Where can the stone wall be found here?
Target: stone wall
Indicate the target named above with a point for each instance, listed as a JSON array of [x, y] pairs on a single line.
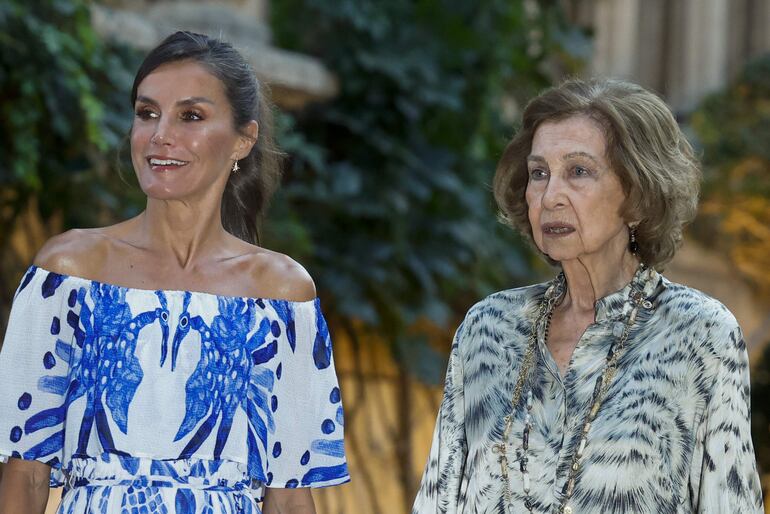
[[294, 79]]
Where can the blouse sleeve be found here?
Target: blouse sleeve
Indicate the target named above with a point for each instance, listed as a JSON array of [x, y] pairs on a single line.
[[727, 481], [440, 488], [306, 449], [34, 367]]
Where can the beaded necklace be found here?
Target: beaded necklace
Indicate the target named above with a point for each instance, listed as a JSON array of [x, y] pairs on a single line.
[[603, 381]]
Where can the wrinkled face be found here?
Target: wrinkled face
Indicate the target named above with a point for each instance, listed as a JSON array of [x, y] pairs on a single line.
[[574, 197], [183, 142]]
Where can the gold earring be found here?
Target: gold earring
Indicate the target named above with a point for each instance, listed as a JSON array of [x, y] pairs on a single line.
[[236, 167]]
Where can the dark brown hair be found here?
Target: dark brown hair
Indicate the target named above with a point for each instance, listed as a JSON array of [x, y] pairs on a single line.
[[248, 192]]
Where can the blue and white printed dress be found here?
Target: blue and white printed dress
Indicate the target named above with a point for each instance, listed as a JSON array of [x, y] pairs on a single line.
[[168, 401]]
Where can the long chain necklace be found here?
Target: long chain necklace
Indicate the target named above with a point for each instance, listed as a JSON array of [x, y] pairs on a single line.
[[603, 381]]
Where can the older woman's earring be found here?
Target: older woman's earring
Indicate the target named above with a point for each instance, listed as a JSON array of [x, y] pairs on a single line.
[[236, 167], [633, 246]]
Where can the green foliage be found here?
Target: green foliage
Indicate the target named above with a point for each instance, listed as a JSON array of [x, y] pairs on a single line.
[[387, 197], [387, 190], [64, 109], [734, 125]]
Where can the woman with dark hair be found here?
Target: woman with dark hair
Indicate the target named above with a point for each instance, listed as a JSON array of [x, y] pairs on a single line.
[[167, 364], [608, 389]]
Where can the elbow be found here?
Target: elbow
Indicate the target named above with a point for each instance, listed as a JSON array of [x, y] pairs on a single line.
[[24, 487], [289, 501]]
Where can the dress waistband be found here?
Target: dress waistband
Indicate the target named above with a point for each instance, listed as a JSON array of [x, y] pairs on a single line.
[[118, 470]]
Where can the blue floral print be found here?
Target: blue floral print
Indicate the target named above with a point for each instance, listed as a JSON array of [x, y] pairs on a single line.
[[168, 401]]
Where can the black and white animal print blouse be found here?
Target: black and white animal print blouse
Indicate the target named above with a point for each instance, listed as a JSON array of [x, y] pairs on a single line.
[[672, 436]]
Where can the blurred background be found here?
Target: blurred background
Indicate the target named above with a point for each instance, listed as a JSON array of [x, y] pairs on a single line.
[[393, 115]]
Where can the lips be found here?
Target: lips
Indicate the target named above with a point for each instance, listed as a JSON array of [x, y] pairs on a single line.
[[557, 229], [163, 163]]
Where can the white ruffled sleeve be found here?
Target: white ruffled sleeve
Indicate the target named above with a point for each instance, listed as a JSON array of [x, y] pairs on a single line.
[[34, 368], [306, 449]]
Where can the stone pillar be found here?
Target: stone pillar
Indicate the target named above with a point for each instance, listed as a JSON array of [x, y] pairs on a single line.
[[682, 49], [712, 44], [675, 56], [738, 35], [701, 66], [617, 24], [748, 33], [760, 27], [652, 46]]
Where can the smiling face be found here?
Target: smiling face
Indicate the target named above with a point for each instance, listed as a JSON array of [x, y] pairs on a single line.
[[573, 195], [183, 142]]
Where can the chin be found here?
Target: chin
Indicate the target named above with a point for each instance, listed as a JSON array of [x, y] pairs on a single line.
[[165, 187], [164, 191], [559, 254], [560, 257]]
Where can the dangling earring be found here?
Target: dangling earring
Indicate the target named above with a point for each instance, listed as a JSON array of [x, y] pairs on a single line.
[[236, 167], [633, 246]]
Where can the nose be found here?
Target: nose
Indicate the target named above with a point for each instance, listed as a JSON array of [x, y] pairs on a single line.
[[554, 195], [163, 134]]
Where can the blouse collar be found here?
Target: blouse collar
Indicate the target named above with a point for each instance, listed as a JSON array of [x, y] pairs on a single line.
[[646, 282]]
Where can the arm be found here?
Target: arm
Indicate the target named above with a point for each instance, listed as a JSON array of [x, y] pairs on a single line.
[[288, 501], [439, 491], [727, 481], [24, 487]]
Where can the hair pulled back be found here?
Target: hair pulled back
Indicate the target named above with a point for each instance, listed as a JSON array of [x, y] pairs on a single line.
[[248, 191]]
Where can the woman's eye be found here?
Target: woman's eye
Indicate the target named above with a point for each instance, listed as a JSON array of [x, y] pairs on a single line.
[[580, 171], [191, 116], [145, 114], [538, 174]]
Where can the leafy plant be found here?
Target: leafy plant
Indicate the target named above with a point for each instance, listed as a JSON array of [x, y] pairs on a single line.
[[64, 106], [387, 194], [733, 128], [387, 197], [63, 101]]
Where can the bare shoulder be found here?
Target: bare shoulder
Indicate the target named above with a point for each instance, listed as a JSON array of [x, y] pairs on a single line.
[[280, 276], [74, 252]]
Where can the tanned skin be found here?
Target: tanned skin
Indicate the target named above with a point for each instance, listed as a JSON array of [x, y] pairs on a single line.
[[178, 242]]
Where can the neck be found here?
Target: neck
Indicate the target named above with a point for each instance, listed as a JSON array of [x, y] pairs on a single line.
[[589, 280], [182, 232]]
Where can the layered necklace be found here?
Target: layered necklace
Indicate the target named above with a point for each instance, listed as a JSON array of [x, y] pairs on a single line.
[[554, 294]]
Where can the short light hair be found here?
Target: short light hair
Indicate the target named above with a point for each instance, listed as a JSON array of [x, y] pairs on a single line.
[[646, 148]]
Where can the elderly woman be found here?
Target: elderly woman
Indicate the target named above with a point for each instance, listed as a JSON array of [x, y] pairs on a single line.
[[608, 389], [168, 364]]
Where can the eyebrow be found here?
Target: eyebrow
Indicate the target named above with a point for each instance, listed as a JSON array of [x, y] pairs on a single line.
[[539, 159], [581, 154], [187, 101]]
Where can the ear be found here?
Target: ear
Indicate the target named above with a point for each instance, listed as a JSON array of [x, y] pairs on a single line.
[[246, 140]]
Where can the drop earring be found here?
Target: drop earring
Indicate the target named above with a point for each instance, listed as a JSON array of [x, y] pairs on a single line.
[[633, 246], [236, 167]]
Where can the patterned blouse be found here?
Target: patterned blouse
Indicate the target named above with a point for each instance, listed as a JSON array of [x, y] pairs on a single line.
[[168, 401], [672, 435]]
